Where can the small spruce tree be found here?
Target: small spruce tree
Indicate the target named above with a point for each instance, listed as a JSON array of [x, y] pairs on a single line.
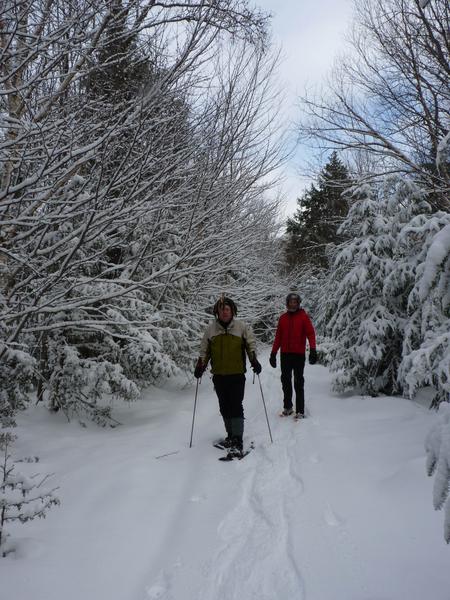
[[22, 498]]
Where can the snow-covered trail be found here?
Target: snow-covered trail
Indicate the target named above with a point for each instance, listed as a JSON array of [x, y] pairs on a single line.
[[337, 508]]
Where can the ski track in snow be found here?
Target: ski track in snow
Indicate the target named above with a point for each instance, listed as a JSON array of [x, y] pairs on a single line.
[[256, 534], [264, 555]]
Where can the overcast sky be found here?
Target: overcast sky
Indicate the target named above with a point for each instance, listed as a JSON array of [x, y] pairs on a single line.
[[311, 35]]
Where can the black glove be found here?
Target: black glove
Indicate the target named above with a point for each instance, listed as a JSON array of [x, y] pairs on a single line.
[[273, 360], [256, 366], [312, 356], [199, 369]]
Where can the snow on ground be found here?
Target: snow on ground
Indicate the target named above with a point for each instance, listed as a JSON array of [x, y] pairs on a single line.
[[337, 508]]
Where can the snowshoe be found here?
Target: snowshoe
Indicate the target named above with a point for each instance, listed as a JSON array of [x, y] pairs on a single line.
[[237, 453], [223, 444], [286, 412]]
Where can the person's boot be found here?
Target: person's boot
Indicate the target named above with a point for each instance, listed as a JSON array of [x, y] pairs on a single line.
[[236, 450], [226, 442]]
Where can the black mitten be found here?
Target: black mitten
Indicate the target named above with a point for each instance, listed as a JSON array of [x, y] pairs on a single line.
[[312, 356], [256, 365], [199, 369]]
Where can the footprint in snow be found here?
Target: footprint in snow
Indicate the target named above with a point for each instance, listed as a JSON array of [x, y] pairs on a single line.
[[160, 590], [315, 458], [155, 592], [200, 498], [331, 518]]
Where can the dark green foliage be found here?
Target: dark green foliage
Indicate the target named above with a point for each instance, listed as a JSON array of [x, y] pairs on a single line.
[[120, 71], [320, 211]]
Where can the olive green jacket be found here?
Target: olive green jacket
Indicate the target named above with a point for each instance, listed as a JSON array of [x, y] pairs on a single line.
[[226, 347]]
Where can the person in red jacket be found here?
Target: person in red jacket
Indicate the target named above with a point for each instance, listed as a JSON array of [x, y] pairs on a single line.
[[294, 328]]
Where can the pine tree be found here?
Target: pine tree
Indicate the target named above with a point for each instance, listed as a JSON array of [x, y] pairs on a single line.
[[16, 374], [22, 497], [321, 209], [425, 244], [385, 303], [367, 292], [119, 72], [437, 445]]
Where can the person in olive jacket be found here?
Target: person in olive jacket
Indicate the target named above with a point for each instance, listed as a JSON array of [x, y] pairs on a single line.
[[294, 328], [225, 345]]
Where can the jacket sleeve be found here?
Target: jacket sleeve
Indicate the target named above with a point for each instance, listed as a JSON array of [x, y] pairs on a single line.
[[204, 348], [310, 332], [250, 341], [277, 341]]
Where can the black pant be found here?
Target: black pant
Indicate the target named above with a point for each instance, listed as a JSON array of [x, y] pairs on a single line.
[[230, 392], [293, 363]]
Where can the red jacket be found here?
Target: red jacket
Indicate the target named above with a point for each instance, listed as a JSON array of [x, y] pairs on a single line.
[[292, 331]]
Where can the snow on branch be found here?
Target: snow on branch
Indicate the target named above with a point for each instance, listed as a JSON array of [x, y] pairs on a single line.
[[132, 189], [437, 254], [437, 447], [22, 498]]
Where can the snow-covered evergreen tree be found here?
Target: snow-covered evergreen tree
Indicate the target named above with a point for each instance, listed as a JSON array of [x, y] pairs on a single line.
[[426, 347], [22, 498], [362, 327], [387, 298], [364, 311], [16, 377], [437, 446]]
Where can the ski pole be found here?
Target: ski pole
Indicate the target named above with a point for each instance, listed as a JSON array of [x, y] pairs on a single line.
[[265, 409], [193, 414]]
